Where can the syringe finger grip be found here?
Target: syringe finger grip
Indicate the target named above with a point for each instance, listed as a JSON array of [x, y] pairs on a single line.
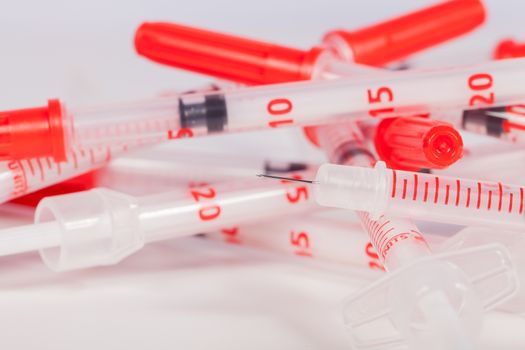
[[355, 188]]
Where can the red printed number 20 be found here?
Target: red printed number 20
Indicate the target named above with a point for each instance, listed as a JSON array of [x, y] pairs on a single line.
[[204, 193]]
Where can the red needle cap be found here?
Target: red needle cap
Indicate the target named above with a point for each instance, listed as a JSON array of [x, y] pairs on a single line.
[[509, 49], [223, 56], [33, 132], [415, 143], [397, 38]]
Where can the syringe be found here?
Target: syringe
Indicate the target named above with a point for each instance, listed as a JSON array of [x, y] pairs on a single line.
[[420, 196], [101, 226], [299, 103]]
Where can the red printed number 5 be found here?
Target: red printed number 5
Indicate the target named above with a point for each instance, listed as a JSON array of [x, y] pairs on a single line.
[[301, 242]]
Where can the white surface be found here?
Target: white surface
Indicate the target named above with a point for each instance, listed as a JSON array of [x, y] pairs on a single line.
[[189, 293]]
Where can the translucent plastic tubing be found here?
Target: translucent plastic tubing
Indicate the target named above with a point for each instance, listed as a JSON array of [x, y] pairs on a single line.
[[101, 226], [420, 196], [259, 107]]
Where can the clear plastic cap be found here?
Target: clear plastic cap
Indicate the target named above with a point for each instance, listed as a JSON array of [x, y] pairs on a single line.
[[91, 228]]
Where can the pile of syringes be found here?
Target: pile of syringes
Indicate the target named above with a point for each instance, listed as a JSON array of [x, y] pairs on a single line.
[[395, 156]]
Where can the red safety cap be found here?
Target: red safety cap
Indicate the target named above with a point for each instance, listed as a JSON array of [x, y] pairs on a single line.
[[395, 39], [33, 132], [223, 56], [80, 183], [508, 49], [311, 135], [414, 143]]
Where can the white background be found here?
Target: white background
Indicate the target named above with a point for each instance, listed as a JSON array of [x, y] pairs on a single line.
[[188, 294]]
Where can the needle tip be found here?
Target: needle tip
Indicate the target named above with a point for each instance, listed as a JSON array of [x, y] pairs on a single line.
[[285, 178]]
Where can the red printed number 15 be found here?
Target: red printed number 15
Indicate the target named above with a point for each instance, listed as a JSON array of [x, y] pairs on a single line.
[[380, 95]]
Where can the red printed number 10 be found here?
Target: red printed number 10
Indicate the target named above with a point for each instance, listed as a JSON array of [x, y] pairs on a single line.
[[278, 108]]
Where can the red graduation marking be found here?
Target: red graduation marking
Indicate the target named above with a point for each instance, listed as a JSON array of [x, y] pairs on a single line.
[[394, 180], [414, 195], [479, 196], [458, 188], [521, 200], [500, 189], [436, 193]]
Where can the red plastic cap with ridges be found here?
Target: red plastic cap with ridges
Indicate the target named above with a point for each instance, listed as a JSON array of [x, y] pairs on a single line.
[[400, 37], [508, 49], [223, 56], [415, 143], [33, 132]]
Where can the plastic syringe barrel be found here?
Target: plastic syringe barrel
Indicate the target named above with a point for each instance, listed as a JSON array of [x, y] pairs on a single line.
[[101, 226], [421, 196], [333, 240], [299, 103]]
